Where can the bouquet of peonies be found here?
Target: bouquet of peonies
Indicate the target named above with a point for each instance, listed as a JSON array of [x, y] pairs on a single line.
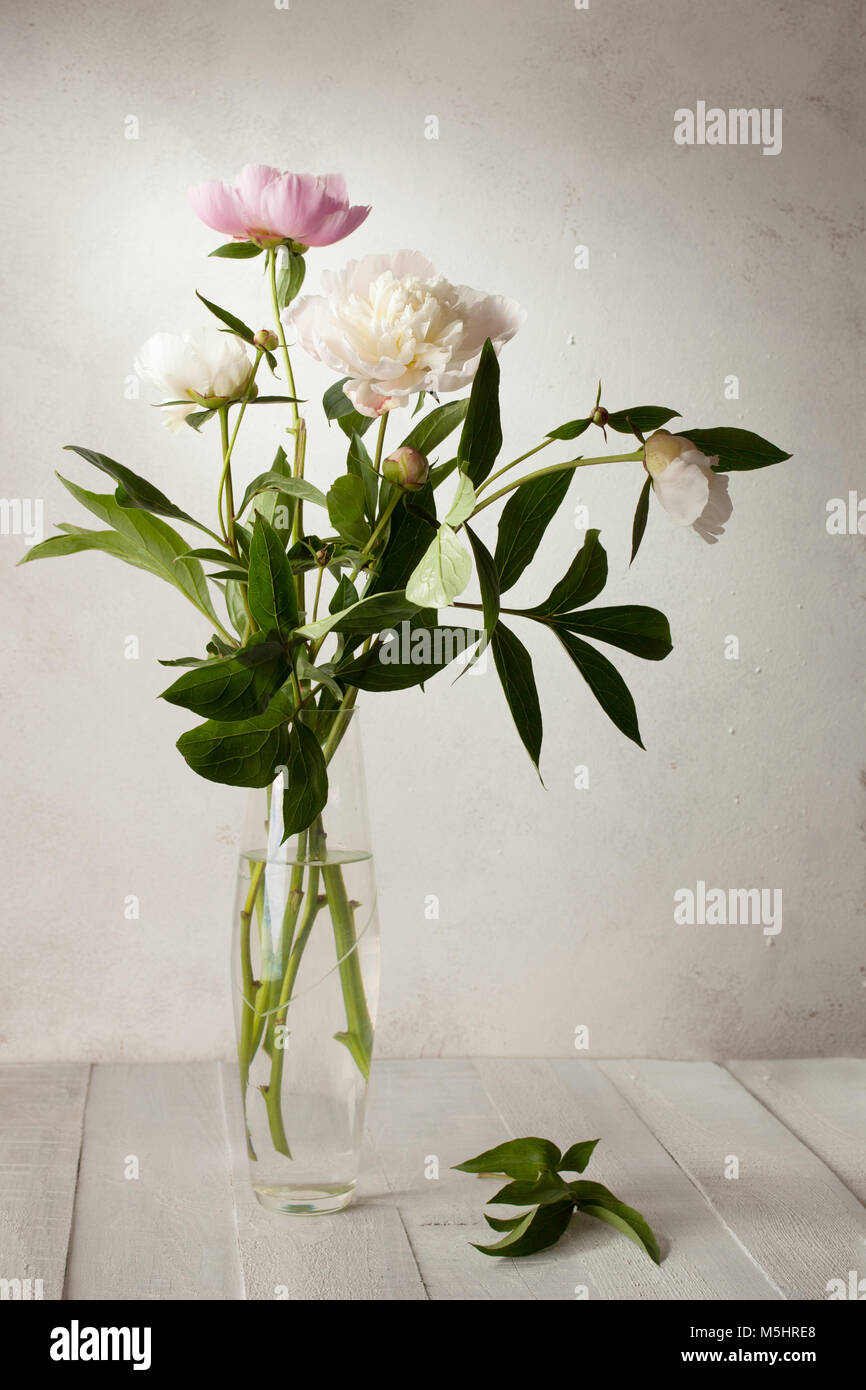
[[311, 596]]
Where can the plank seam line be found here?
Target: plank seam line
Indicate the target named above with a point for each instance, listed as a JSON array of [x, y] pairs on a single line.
[[71, 1235], [412, 1252], [696, 1184], [794, 1135]]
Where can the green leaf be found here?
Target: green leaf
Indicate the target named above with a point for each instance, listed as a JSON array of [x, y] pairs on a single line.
[[488, 581], [344, 596], [514, 666], [235, 607], [463, 504], [640, 518], [236, 325], [537, 1231], [430, 432], [430, 650], [442, 573], [271, 594], [290, 487], [625, 1219], [571, 430], [245, 753], [408, 539], [605, 682], [337, 406], [346, 509], [144, 540], [641, 417], [635, 628], [360, 465], [524, 520], [233, 687], [324, 675], [305, 780], [238, 250], [197, 418], [137, 492], [547, 1188], [369, 615], [576, 1158], [291, 278], [516, 1158], [584, 580], [503, 1223], [481, 438], [738, 450]]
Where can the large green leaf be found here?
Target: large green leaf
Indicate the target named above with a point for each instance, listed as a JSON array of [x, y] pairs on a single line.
[[243, 753], [514, 667], [305, 780], [442, 573], [641, 513], [481, 437], [233, 687], [135, 492], [346, 502], [737, 450], [635, 628], [145, 541], [536, 1231], [546, 1188], [271, 594], [584, 580], [430, 432], [291, 487], [640, 417], [575, 1158], [360, 465], [516, 1158], [337, 406], [371, 614], [430, 650], [488, 580], [605, 682], [408, 539], [615, 1213], [524, 520]]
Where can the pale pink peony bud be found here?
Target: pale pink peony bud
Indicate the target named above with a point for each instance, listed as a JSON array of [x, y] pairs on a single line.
[[266, 340], [406, 468]]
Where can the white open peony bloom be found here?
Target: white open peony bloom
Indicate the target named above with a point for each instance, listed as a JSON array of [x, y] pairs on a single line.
[[204, 365], [395, 327], [685, 484]]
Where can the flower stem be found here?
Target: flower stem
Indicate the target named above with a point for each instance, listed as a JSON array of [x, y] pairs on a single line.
[[380, 440], [557, 468], [513, 464]]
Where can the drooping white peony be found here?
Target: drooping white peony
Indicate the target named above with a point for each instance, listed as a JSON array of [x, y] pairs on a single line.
[[395, 327], [204, 365], [685, 484]]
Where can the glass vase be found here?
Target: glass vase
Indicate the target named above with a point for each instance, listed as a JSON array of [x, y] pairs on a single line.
[[306, 979]]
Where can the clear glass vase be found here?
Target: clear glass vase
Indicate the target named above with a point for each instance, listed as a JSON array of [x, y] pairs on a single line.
[[305, 962]]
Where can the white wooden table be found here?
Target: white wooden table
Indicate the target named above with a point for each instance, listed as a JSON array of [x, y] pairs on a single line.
[[73, 1215]]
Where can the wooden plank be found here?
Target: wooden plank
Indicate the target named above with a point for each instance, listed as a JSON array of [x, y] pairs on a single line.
[[570, 1100], [169, 1232], [360, 1253], [794, 1217], [41, 1117], [425, 1115], [823, 1101]]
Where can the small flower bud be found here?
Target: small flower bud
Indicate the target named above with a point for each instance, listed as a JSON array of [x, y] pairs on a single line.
[[406, 468], [266, 340], [599, 416], [323, 556]]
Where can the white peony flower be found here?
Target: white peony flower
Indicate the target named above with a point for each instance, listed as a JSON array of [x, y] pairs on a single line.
[[685, 484], [204, 365], [395, 327]]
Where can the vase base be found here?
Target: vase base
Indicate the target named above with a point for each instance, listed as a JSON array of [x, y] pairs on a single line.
[[304, 1201]]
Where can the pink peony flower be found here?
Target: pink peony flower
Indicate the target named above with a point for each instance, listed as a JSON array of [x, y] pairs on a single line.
[[267, 206]]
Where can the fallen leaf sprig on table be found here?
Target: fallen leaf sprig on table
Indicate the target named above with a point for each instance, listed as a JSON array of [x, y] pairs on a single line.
[[535, 1167]]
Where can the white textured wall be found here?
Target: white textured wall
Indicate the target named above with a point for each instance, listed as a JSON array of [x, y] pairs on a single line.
[[555, 128]]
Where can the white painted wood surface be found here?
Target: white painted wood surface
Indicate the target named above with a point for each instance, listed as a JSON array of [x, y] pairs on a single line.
[[188, 1227], [41, 1114], [823, 1102], [798, 1222]]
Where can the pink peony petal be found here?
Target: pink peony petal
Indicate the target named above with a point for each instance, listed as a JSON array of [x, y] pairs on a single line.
[[218, 207], [334, 226]]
